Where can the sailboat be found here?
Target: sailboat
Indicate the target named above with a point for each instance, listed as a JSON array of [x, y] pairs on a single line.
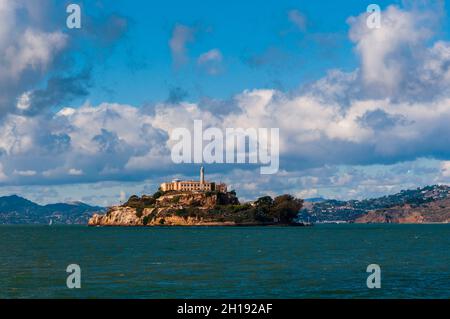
[[50, 222]]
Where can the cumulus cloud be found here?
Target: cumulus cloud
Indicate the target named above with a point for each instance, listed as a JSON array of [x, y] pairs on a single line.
[[33, 50], [28, 50], [395, 61], [392, 110], [37, 64], [84, 144]]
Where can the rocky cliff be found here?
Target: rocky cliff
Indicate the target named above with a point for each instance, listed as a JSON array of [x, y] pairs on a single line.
[[432, 212], [127, 216]]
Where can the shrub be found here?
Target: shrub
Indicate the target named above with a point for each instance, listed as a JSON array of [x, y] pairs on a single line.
[[181, 212], [133, 201], [148, 201], [175, 199], [139, 212], [264, 201], [158, 194]]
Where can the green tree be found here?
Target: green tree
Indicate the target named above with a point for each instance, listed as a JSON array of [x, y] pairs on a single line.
[[264, 201], [286, 208], [158, 193]]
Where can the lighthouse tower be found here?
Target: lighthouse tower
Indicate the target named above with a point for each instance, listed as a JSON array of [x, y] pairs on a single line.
[[202, 175]]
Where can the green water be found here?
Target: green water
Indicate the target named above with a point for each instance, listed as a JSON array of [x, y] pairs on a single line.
[[324, 261]]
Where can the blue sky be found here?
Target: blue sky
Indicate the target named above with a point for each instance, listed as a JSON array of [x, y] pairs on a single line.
[[243, 31], [86, 114]]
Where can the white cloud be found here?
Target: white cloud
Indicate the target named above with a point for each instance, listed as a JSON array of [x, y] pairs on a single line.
[[445, 168], [90, 143], [211, 61], [67, 111], [28, 49], [181, 36], [33, 38], [211, 55], [23, 102], [25, 173], [307, 193], [75, 172], [34, 50], [389, 54], [298, 19]]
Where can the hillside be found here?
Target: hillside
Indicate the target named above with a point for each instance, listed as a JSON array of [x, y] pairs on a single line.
[[178, 208], [431, 212], [18, 210], [427, 204]]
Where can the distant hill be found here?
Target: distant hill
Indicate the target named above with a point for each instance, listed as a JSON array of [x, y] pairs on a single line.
[[432, 212], [315, 200], [18, 210], [430, 204]]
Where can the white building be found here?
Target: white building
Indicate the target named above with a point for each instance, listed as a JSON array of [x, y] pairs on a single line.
[[200, 185]]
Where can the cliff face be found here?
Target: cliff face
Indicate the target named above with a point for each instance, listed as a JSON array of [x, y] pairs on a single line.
[[127, 216], [433, 212]]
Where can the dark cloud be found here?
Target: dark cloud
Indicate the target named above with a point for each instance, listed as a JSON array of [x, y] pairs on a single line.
[[55, 143], [176, 95], [379, 120], [59, 91], [108, 141], [106, 29]]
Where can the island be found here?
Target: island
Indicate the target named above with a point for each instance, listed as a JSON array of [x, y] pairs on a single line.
[[200, 203]]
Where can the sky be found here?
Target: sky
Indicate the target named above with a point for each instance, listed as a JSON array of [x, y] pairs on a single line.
[[86, 114]]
